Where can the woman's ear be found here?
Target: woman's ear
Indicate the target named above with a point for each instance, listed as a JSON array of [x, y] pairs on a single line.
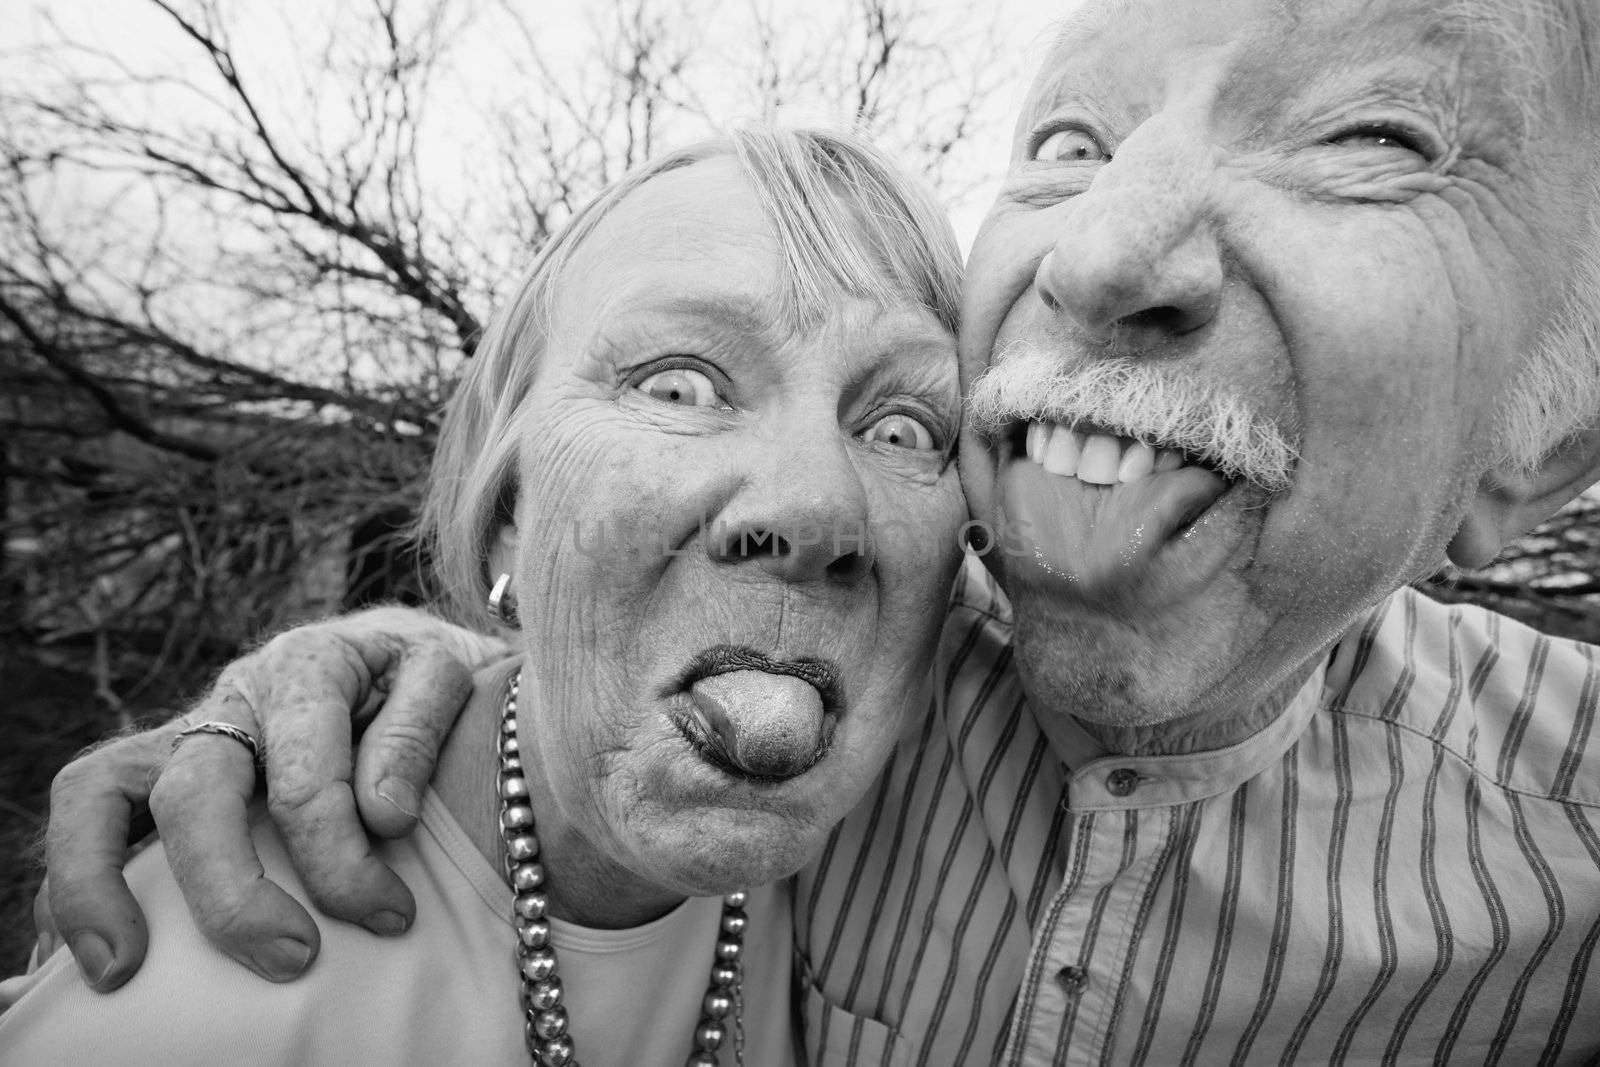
[[1509, 504], [503, 550]]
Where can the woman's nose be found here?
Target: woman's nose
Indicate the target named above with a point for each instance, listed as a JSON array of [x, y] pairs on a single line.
[[1137, 257], [801, 518], [798, 554]]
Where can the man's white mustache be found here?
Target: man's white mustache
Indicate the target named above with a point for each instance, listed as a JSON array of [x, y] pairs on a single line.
[[1136, 399]]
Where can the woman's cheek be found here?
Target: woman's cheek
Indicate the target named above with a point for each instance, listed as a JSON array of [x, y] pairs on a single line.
[[920, 538]]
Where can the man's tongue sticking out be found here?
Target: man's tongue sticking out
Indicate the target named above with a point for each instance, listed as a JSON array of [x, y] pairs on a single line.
[[1097, 512]]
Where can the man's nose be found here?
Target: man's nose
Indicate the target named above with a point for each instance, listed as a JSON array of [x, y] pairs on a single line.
[[1137, 256], [801, 518]]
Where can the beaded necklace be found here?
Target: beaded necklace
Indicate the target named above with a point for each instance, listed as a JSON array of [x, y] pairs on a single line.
[[546, 1026]]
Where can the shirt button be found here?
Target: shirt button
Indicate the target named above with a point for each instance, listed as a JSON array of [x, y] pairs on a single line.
[[1072, 980], [1122, 781]]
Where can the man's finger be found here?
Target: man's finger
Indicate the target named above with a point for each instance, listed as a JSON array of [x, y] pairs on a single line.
[[201, 804], [309, 770], [92, 804], [399, 750]]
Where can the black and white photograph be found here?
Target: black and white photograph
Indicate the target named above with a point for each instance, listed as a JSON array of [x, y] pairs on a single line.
[[854, 533]]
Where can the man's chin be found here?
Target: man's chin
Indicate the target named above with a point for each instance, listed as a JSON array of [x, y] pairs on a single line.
[[1111, 679], [1115, 668], [1126, 598]]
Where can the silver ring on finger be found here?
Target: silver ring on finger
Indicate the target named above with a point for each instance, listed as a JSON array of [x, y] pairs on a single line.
[[223, 729]]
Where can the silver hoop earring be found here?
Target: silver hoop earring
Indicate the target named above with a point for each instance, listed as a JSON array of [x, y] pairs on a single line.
[[503, 602]]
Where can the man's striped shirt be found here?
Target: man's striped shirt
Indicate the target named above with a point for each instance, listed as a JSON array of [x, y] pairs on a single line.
[[1404, 867]]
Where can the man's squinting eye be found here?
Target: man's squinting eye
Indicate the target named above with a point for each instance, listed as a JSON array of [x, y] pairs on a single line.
[[1070, 146], [901, 431], [681, 385], [1382, 136]]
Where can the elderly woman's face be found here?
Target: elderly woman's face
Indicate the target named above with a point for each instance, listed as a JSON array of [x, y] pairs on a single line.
[[734, 540]]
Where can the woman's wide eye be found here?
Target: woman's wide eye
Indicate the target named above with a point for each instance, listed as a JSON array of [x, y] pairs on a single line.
[[680, 385], [1070, 146], [901, 431]]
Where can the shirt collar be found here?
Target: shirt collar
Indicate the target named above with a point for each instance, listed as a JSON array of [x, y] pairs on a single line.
[[1114, 783]]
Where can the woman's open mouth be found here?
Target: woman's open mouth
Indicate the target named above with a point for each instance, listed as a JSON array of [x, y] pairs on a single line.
[[758, 718]]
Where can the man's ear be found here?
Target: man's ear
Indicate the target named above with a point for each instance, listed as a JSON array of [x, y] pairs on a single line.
[[1509, 504], [503, 551]]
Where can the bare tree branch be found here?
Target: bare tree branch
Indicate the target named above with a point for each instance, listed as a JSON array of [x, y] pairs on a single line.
[[234, 292]]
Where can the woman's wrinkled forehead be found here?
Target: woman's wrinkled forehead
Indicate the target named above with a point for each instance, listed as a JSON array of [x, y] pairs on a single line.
[[838, 229], [700, 245]]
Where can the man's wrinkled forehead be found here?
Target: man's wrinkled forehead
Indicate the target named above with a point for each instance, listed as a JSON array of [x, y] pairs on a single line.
[[1520, 57]]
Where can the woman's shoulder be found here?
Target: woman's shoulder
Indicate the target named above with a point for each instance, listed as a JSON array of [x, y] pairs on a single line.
[[365, 998]]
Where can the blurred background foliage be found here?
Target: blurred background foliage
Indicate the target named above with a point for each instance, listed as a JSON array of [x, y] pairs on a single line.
[[244, 253]]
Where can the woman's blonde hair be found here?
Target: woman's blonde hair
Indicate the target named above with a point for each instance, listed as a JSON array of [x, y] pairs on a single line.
[[848, 220]]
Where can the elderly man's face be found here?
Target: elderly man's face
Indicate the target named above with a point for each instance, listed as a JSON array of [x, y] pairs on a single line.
[[1302, 246], [707, 602]]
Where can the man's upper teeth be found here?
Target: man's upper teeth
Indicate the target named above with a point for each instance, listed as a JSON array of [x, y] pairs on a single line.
[[1138, 460], [1168, 459], [1096, 458], [1102, 455], [1062, 451]]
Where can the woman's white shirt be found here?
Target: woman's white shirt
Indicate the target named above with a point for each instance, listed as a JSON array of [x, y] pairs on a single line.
[[445, 992]]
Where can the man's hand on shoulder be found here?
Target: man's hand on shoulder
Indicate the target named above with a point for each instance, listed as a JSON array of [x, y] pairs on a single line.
[[402, 674]]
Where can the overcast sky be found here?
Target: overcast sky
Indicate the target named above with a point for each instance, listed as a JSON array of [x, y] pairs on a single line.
[[140, 36]]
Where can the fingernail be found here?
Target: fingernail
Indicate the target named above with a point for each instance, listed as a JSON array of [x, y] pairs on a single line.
[[282, 958], [385, 922], [400, 794], [94, 956]]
